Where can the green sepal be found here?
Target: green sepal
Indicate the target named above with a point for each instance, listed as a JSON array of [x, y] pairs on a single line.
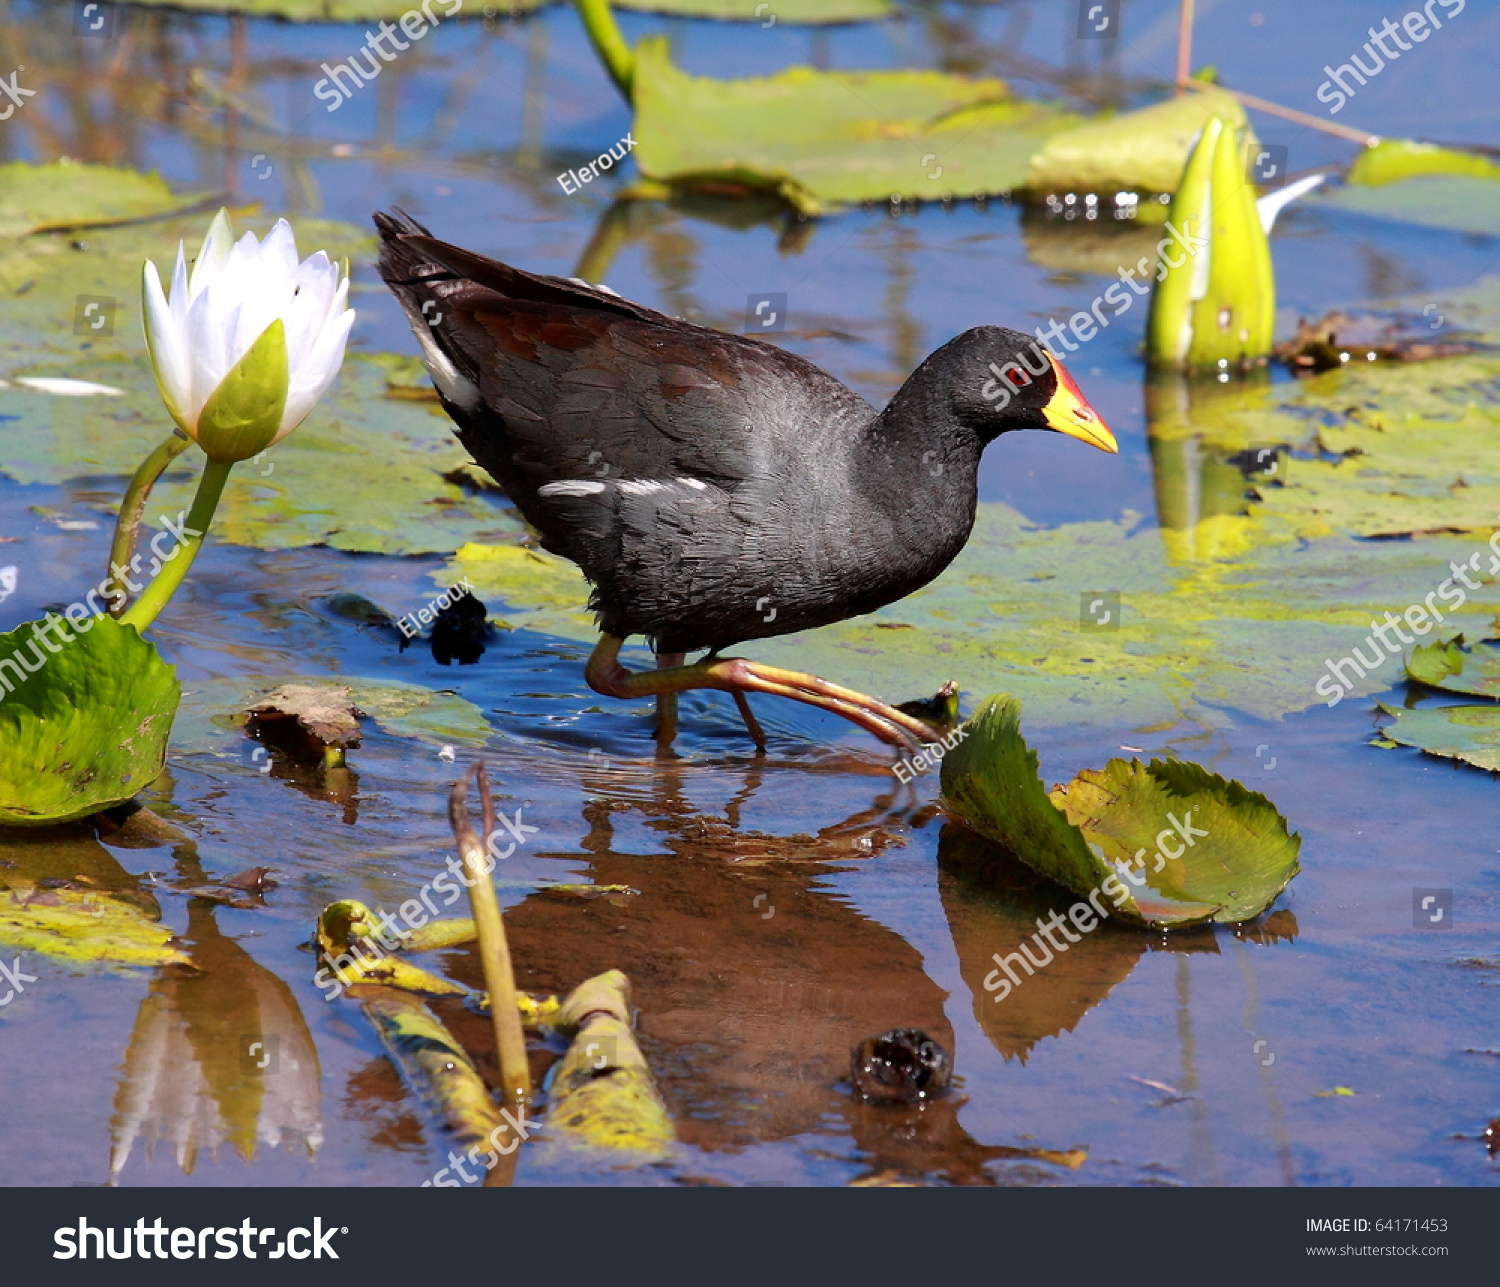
[[242, 415]]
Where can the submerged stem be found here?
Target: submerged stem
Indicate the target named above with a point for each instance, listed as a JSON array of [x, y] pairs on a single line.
[[133, 505], [156, 595]]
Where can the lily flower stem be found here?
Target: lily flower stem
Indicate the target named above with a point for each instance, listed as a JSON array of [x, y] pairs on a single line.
[[133, 505], [155, 596]]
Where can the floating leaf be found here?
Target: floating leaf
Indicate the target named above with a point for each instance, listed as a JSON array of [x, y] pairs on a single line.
[[1457, 668], [1143, 151], [1467, 733], [1394, 159], [824, 138], [71, 194], [82, 927], [211, 708], [89, 729], [602, 1092], [1168, 842], [1457, 202]]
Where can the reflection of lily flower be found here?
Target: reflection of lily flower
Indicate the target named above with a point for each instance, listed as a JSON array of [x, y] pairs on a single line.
[[249, 340], [221, 1056]]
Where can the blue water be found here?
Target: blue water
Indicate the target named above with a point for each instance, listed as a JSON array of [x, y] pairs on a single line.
[[747, 1018]]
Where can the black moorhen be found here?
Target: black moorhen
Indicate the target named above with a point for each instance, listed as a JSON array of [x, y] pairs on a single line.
[[714, 488]]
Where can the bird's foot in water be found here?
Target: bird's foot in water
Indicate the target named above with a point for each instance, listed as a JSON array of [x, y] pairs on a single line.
[[740, 677]]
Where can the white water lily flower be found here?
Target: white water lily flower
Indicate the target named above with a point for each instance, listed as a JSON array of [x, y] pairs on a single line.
[[249, 340]]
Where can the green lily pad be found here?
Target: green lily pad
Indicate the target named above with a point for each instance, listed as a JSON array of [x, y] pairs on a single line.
[[71, 194], [1168, 843], [1467, 733], [1457, 202], [825, 138], [213, 708], [89, 729], [1143, 151], [1457, 668]]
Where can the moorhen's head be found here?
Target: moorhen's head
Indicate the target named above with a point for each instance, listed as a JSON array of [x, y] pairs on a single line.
[[1007, 380]]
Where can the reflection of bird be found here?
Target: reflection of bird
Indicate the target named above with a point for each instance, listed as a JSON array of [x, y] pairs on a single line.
[[713, 488]]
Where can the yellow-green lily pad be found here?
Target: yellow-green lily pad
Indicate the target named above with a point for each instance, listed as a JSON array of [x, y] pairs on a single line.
[[1162, 844], [83, 927], [825, 138], [72, 194], [1457, 667], [1143, 151]]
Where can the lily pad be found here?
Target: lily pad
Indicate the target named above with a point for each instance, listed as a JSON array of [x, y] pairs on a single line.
[[1467, 733], [825, 138], [1457, 202], [83, 927], [1143, 151], [212, 708], [71, 194], [89, 729], [1168, 843], [1391, 160], [1457, 668]]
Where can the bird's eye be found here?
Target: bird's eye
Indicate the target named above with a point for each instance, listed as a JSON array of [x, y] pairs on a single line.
[[1020, 379]]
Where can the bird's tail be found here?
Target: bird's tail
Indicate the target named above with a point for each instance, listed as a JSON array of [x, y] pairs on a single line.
[[422, 284]]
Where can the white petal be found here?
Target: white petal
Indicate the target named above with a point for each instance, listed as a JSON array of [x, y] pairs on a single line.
[[279, 250], [310, 382], [168, 350], [1270, 205], [216, 244]]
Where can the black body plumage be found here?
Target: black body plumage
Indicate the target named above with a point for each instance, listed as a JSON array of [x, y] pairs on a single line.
[[713, 488]]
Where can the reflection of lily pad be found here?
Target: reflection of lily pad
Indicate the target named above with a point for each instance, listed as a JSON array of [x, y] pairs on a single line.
[[992, 905], [1169, 843], [210, 708], [87, 730], [823, 138], [1456, 668], [1467, 733]]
